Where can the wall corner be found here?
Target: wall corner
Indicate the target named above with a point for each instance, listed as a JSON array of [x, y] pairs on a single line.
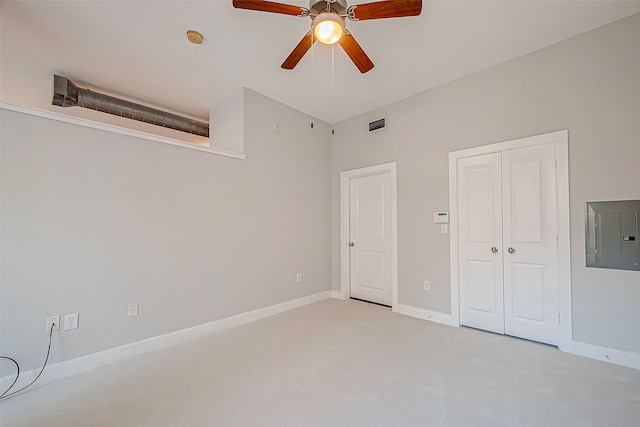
[[227, 123]]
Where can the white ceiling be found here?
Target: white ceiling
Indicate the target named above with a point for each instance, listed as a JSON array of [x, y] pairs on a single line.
[[139, 49]]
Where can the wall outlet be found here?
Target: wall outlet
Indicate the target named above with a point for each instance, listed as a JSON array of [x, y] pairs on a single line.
[[71, 321], [53, 320], [427, 285], [132, 309], [299, 277]]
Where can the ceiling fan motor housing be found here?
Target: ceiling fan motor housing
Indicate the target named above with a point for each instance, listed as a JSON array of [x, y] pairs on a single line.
[[319, 6]]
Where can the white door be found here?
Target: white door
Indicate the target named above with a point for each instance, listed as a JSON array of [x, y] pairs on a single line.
[[370, 238], [507, 243], [480, 234], [530, 245]]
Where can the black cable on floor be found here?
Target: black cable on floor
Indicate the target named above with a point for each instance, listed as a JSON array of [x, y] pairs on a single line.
[[5, 395], [17, 375]]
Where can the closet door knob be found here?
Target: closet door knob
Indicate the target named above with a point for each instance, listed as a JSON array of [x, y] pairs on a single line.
[[494, 249], [511, 250], [351, 244]]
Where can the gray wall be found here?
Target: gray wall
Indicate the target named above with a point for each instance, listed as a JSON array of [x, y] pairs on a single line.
[[92, 221], [589, 85]]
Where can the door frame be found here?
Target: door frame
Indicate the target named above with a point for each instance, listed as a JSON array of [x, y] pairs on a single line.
[[345, 179], [560, 139]]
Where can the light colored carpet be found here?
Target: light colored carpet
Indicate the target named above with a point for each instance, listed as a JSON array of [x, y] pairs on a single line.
[[341, 363]]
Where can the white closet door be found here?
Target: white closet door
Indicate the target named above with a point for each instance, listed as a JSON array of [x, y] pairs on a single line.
[[530, 245], [480, 242]]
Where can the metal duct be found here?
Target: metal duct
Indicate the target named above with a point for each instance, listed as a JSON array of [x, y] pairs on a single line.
[[68, 94]]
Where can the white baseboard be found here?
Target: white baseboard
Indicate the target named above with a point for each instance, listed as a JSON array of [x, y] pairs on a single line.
[[617, 357], [81, 364], [422, 313], [338, 295]]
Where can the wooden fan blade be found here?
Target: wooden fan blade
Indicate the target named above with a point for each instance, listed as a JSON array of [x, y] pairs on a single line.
[[298, 52], [385, 9], [355, 52], [270, 6]]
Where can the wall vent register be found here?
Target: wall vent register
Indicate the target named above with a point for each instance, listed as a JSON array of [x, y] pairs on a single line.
[[612, 238], [378, 124]]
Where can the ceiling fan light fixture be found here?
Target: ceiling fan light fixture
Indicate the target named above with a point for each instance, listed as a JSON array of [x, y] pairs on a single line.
[[328, 27]]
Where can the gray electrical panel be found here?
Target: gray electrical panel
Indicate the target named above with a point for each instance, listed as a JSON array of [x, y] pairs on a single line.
[[612, 238]]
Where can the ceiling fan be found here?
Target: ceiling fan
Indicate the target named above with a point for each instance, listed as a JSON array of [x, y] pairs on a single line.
[[328, 23]]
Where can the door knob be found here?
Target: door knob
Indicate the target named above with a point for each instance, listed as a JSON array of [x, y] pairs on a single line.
[[351, 244], [494, 249], [511, 250]]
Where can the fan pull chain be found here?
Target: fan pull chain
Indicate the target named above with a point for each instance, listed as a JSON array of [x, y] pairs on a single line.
[[333, 67], [312, 71]]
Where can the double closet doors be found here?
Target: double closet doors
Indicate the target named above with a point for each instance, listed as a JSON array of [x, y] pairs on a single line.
[[508, 254]]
